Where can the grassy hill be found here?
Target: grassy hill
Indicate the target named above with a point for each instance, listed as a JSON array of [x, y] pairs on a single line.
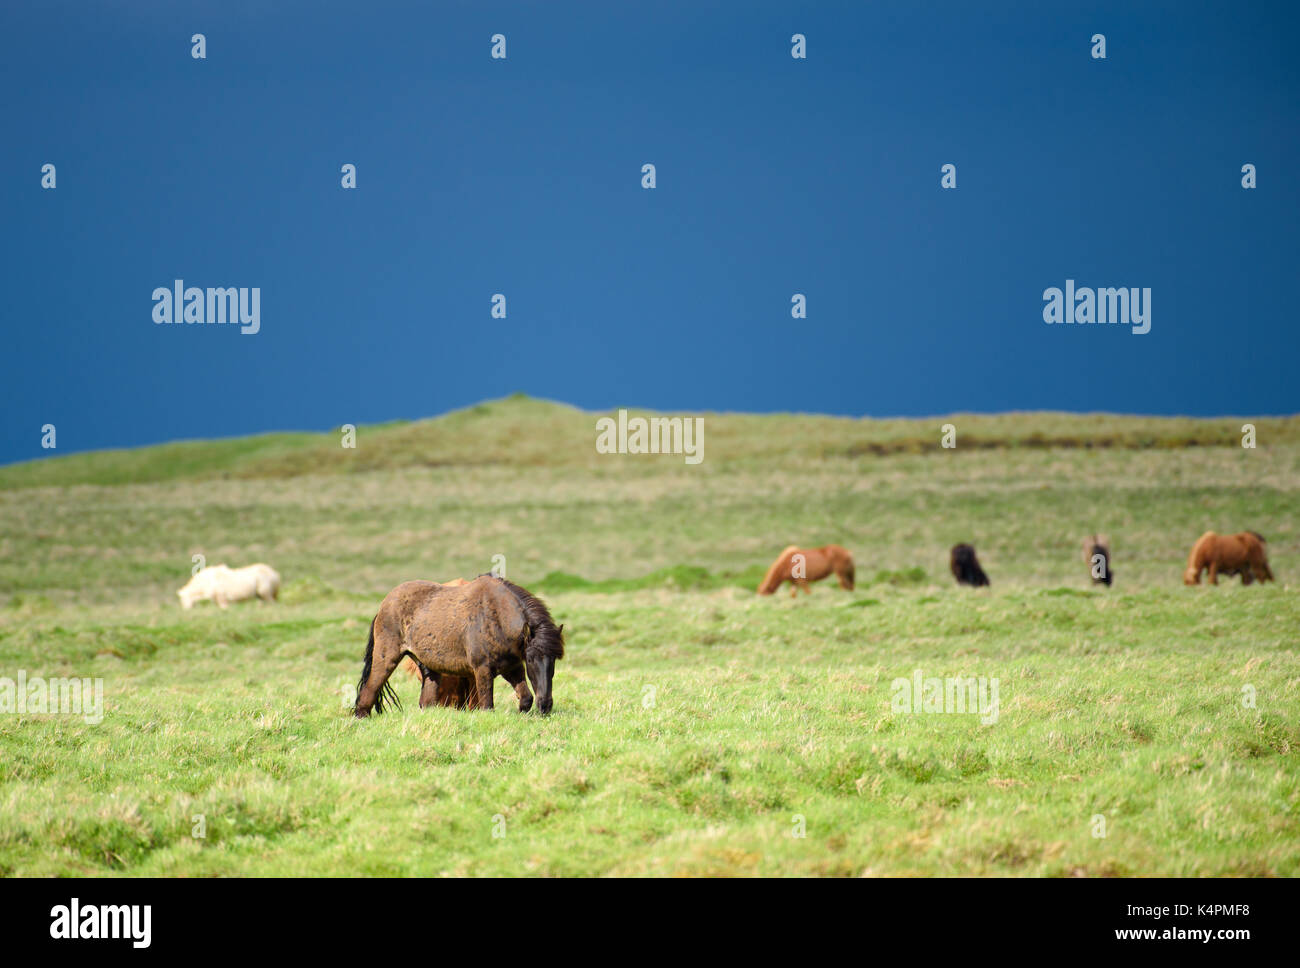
[[698, 728], [526, 432]]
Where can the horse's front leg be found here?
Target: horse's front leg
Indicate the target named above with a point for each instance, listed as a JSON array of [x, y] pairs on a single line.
[[384, 653], [518, 680], [483, 682], [1214, 573]]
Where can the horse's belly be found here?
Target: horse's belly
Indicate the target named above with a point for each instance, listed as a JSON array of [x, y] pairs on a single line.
[[441, 656]]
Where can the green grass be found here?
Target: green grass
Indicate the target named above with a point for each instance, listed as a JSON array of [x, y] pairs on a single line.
[[695, 723]]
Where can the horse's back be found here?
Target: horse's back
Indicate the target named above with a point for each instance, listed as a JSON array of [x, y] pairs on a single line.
[[1246, 546], [408, 597], [452, 608]]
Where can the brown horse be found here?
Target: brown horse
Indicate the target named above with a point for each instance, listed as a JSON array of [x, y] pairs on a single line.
[[1096, 552], [454, 692], [799, 567], [1228, 554], [479, 630]]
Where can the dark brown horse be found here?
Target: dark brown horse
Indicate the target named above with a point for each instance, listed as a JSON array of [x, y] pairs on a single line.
[[1096, 552], [965, 566], [487, 628]]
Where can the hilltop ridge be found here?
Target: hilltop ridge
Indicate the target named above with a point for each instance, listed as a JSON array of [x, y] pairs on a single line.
[[526, 431]]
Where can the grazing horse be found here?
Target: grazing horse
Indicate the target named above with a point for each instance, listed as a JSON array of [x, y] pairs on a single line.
[[1228, 554], [454, 692], [1096, 552], [479, 630], [223, 585], [799, 567], [965, 566]]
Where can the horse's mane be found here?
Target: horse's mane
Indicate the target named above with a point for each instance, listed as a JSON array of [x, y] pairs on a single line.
[[544, 637], [772, 580]]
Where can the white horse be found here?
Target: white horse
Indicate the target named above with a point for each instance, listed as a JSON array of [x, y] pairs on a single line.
[[224, 585]]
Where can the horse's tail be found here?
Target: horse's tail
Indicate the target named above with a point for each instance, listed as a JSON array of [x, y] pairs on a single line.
[[772, 580], [543, 635], [847, 572], [386, 693]]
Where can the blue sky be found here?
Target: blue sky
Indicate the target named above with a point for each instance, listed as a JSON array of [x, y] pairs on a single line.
[[523, 176]]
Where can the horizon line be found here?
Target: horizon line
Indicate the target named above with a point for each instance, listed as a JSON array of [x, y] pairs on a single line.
[[519, 395]]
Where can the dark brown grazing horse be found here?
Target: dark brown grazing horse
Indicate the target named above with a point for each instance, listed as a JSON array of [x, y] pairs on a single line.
[[965, 566], [1096, 552], [487, 628]]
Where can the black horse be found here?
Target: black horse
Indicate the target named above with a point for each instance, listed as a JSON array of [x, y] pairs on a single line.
[[966, 567]]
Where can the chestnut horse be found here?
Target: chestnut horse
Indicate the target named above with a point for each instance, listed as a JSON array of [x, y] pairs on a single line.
[[799, 567], [482, 629], [1229, 554]]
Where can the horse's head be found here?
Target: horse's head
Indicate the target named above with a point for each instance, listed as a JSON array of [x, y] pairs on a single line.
[[1192, 576], [541, 671]]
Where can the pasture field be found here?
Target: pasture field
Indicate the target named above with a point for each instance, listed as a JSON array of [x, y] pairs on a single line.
[[698, 729]]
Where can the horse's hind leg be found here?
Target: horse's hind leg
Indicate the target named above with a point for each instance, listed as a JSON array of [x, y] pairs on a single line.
[[518, 680]]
